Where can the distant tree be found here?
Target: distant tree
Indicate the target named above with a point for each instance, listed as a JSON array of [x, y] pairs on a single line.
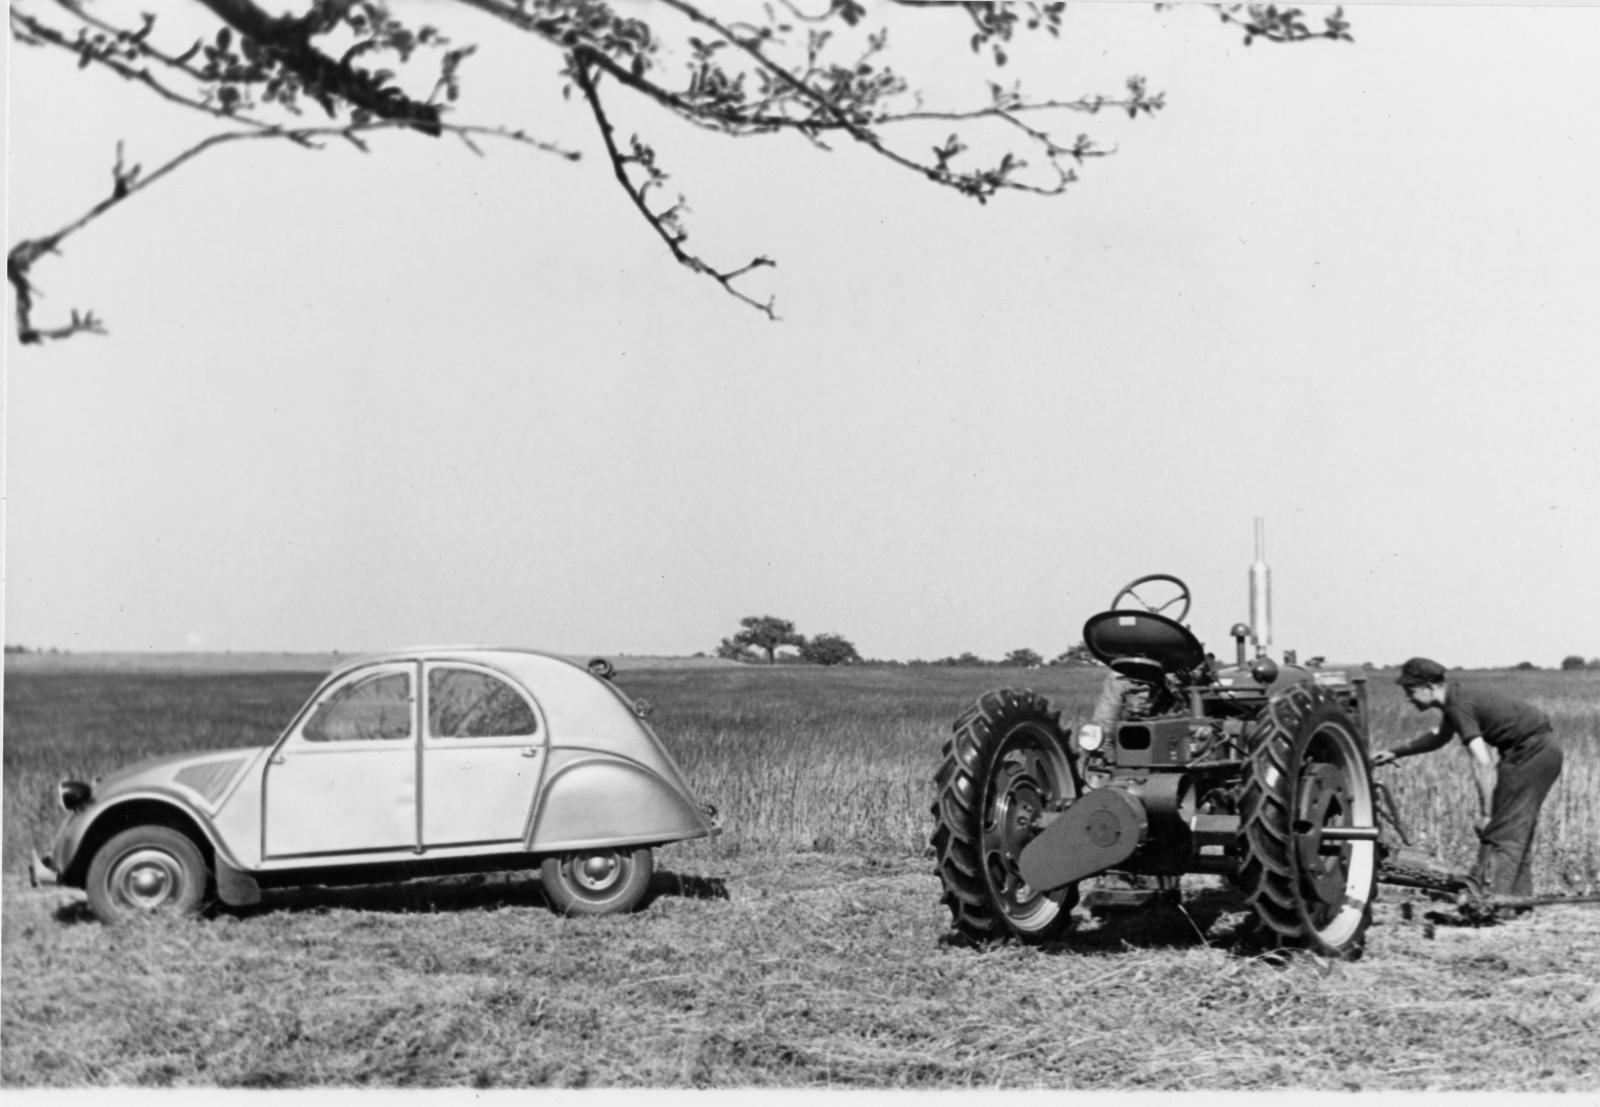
[[1572, 663], [1023, 658], [1526, 667], [767, 633], [1594, 663], [729, 650], [829, 649], [969, 660], [1074, 655]]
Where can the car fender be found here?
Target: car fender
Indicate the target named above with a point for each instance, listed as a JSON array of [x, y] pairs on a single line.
[[592, 799], [99, 821]]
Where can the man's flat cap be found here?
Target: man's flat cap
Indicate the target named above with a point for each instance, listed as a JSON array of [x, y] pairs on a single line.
[[1421, 670]]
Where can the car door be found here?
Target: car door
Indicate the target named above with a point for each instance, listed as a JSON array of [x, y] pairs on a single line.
[[344, 781], [482, 752]]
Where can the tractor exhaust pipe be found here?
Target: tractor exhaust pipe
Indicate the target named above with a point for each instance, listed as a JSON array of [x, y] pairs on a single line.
[[1261, 593]]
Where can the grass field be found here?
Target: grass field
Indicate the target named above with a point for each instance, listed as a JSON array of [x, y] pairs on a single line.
[[803, 947]]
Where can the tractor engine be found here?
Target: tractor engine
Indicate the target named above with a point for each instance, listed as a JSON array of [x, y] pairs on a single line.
[[1255, 771]]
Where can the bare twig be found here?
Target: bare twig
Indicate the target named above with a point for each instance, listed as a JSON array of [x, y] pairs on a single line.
[[665, 223], [128, 183]]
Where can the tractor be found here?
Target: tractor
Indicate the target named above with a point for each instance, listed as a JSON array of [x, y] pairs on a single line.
[[1254, 771]]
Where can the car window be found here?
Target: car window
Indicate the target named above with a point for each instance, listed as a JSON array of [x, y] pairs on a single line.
[[464, 703], [375, 708]]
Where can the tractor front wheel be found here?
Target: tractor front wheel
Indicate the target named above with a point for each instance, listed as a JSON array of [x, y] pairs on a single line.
[[1309, 868], [1006, 764]]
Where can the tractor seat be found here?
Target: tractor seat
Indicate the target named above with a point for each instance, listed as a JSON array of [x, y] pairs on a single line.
[[1142, 645], [1138, 668]]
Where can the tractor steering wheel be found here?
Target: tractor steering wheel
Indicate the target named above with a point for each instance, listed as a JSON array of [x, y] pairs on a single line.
[[1159, 605]]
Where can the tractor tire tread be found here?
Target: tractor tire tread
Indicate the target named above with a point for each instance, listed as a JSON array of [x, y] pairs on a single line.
[[967, 758], [1268, 871]]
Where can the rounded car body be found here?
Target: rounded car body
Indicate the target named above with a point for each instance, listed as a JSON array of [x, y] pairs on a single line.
[[419, 762]]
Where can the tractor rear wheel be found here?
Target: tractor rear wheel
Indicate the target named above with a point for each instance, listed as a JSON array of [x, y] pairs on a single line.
[[1007, 762], [1307, 779]]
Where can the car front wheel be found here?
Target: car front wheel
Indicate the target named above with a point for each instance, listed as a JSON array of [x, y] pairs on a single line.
[[146, 870], [597, 882]]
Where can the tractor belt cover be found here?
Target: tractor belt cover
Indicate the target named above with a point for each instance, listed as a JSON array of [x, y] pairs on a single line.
[[1101, 829]]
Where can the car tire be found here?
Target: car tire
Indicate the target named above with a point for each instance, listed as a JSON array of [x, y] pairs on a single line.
[[597, 882], [147, 870]]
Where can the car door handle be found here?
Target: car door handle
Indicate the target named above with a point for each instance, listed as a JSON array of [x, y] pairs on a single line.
[[275, 760], [530, 751]]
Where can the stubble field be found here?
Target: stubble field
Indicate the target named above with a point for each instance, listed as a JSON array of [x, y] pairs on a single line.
[[804, 947]]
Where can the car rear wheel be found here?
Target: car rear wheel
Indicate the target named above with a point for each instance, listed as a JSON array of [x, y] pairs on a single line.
[[597, 882], [147, 870]]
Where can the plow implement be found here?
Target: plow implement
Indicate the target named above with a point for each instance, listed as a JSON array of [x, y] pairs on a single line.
[[1403, 864]]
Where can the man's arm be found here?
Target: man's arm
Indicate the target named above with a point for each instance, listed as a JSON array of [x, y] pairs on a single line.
[[1485, 773], [1422, 743]]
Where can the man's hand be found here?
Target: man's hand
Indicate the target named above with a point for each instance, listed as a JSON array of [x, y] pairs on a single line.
[[1384, 757]]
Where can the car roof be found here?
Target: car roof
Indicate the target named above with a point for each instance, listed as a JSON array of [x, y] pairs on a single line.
[[481, 654]]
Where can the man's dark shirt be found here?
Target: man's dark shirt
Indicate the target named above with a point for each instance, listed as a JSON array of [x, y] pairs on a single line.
[[1503, 722]]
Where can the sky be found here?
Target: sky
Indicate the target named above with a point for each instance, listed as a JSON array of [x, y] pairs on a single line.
[[357, 402]]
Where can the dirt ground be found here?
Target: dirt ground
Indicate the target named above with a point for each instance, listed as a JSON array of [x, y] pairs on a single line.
[[799, 971]]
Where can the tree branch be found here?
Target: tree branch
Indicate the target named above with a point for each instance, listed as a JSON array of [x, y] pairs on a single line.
[[801, 66], [287, 40], [122, 50], [667, 224], [129, 183], [1283, 25]]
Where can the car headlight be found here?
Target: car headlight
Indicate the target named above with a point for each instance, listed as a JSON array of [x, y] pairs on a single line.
[[74, 794], [1091, 737]]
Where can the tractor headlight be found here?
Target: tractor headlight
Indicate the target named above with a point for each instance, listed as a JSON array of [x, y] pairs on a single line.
[[1264, 670], [1091, 737]]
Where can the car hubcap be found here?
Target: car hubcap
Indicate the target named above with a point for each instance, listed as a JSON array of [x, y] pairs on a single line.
[[597, 872], [146, 879]]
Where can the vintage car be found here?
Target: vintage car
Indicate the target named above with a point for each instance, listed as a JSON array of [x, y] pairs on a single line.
[[427, 762]]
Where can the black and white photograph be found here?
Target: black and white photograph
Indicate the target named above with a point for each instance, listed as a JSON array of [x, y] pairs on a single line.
[[858, 546]]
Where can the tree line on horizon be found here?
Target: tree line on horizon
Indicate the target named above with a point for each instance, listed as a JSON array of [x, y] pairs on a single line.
[[766, 634], [775, 641], [769, 635]]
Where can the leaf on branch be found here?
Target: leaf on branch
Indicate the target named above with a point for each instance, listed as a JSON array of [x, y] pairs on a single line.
[[138, 37], [357, 50], [851, 11]]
